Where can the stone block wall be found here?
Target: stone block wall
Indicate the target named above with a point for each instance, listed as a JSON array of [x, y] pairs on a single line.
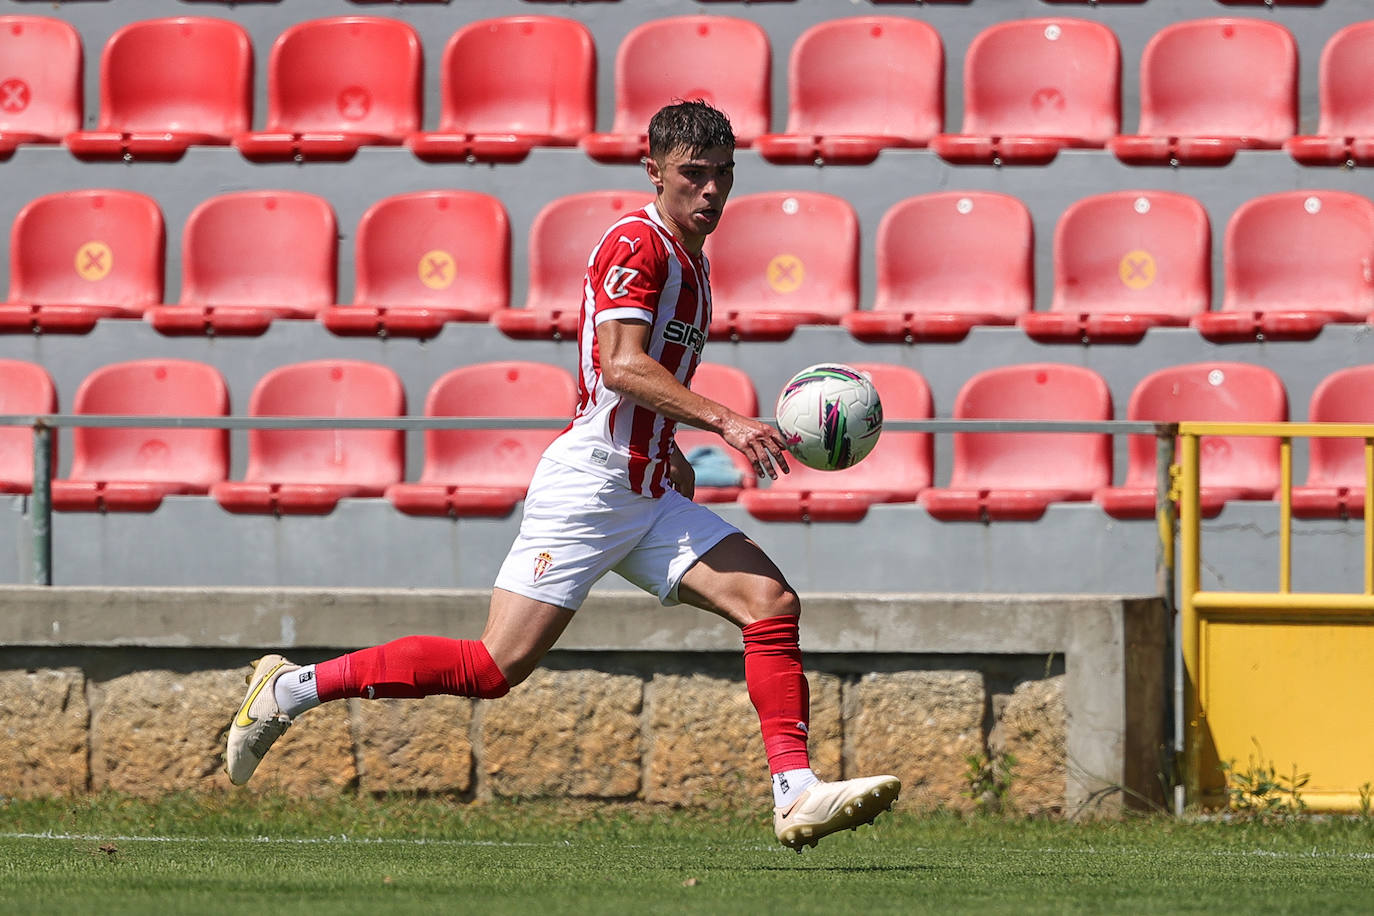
[[132, 690], [685, 739]]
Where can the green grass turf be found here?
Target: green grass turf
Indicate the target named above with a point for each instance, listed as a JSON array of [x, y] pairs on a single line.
[[251, 854]]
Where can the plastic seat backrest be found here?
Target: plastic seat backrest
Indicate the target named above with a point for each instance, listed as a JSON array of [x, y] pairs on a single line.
[[355, 74], [191, 74], [95, 247], [900, 461], [152, 387], [494, 457], [956, 251], [1345, 84], [520, 74], [437, 249], [327, 388], [1217, 391], [784, 250], [729, 386], [1036, 391], [1344, 396], [40, 77], [25, 388], [561, 240], [1220, 77], [1300, 250], [1043, 78], [1133, 252], [261, 248], [723, 60], [867, 75]]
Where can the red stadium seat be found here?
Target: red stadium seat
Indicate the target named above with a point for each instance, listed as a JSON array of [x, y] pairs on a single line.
[[733, 388], [946, 263], [783, 259], [511, 84], [250, 257], [412, 274], [1002, 476], [79, 256], [131, 470], [307, 471], [334, 85], [896, 471], [1345, 87], [857, 86], [1335, 471], [1033, 87], [485, 471], [40, 81], [1124, 262], [167, 84], [561, 241], [720, 59], [25, 388], [1295, 261], [1209, 87], [1230, 467]]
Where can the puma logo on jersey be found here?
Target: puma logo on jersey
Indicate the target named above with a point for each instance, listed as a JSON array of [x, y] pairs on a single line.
[[633, 243], [617, 282], [689, 335]]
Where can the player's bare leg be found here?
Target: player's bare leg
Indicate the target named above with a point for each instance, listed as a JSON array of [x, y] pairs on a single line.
[[519, 632], [738, 581]]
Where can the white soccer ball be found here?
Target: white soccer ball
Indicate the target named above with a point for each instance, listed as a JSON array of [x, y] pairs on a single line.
[[830, 416]]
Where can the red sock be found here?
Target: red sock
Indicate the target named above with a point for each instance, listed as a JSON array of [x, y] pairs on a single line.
[[413, 666], [778, 688]]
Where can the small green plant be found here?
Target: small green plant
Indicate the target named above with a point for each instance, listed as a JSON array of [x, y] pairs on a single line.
[[1260, 792], [1367, 801], [988, 781]]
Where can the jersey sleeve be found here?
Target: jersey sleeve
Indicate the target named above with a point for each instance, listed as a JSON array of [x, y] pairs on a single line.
[[627, 273]]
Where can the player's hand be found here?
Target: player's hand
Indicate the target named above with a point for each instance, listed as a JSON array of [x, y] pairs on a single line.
[[761, 443], [682, 474]]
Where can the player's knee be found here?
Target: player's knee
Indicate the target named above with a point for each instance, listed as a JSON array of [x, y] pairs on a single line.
[[776, 599]]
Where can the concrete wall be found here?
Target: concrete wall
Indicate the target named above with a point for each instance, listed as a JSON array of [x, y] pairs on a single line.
[[131, 689]]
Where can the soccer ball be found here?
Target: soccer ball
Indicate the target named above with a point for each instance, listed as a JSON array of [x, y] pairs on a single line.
[[830, 416]]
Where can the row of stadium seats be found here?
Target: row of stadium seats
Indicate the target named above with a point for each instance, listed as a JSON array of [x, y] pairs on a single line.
[[994, 476], [857, 85], [1124, 261]]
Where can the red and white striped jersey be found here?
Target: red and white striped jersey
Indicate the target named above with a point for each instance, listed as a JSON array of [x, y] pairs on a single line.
[[640, 271]]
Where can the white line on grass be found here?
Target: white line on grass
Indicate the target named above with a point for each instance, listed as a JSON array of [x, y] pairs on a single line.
[[344, 839]]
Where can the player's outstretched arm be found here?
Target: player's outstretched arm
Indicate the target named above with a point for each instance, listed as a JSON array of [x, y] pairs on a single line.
[[628, 369]]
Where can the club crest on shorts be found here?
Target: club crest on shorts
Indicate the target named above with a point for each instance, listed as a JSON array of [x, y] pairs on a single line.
[[542, 564]]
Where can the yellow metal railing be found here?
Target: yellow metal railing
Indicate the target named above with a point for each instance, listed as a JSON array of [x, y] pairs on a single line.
[[1283, 677]]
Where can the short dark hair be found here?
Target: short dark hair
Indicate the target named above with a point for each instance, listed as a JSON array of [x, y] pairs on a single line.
[[693, 125]]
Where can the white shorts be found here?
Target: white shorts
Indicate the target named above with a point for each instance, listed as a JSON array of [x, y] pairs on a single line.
[[577, 527]]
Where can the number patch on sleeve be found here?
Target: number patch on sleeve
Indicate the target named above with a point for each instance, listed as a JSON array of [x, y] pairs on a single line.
[[617, 282]]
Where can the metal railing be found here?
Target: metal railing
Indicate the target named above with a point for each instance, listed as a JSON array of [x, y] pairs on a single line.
[[45, 425]]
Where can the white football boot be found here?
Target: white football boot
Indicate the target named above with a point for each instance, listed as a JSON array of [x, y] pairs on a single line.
[[259, 721], [827, 807]]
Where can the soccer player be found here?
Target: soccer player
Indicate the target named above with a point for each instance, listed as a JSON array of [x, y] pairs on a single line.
[[612, 492]]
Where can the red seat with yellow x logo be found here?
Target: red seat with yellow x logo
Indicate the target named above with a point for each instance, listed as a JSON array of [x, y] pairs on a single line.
[[79, 256], [425, 259], [782, 259]]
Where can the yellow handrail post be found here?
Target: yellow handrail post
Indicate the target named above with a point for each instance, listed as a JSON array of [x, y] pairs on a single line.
[[1190, 532], [1369, 516], [1285, 515]]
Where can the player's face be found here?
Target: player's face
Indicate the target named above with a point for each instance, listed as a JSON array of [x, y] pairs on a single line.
[[692, 190]]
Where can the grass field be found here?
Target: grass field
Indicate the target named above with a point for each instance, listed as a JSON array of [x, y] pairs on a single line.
[[247, 854]]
